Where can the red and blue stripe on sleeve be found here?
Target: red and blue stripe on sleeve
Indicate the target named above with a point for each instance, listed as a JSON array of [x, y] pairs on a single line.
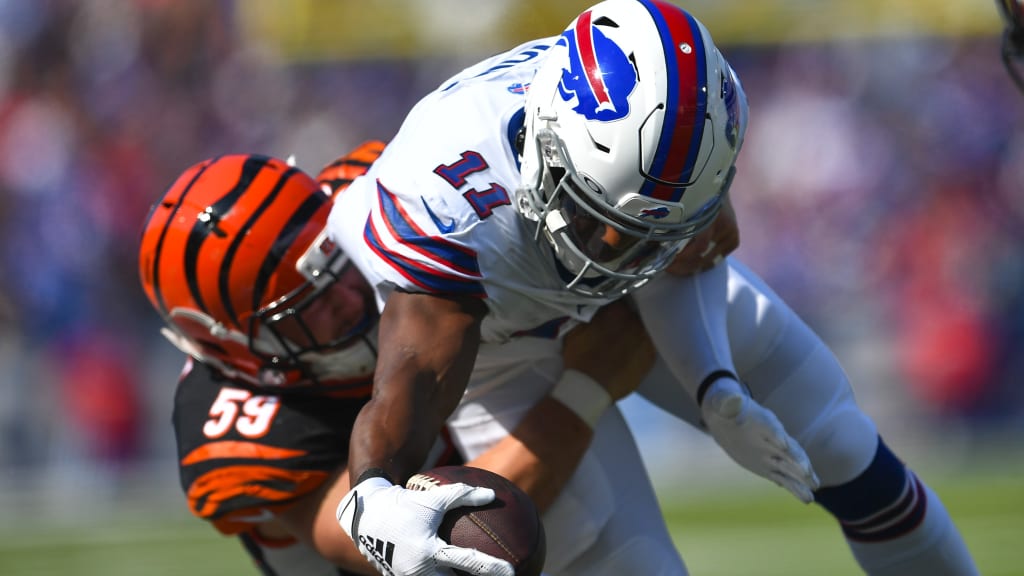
[[432, 263]]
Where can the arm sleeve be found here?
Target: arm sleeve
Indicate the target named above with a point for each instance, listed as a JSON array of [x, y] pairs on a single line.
[[686, 319]]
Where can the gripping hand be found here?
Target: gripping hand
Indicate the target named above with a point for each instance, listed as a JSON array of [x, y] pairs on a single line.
[[753, 436], [396, 529]]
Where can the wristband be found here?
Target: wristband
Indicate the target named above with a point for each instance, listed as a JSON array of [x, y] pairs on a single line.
[[373, 473], [581, 394], [711, 379]]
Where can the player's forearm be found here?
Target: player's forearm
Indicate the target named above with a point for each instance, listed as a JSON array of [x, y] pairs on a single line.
[[428, 345], [396, 429], [541, 454], [386, 443]]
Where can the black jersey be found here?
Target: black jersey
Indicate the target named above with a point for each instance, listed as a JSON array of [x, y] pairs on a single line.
[[244, 453]]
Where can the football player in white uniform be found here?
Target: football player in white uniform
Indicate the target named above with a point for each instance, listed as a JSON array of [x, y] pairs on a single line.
[[519, 197], [234, 259]]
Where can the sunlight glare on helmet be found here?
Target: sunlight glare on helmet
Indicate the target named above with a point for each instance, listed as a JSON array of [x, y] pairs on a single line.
[[550, 150]]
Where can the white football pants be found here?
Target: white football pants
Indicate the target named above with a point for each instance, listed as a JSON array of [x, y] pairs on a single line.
[[607, 521]]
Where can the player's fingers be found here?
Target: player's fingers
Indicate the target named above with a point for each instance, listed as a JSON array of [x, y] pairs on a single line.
[[472, 562], [773, 434], [794, 471], [802, 462], [786, 453], [794, 460], [728, 243], [460, 494], [798, 486], [795, 464], [797, 476], [797, 489]]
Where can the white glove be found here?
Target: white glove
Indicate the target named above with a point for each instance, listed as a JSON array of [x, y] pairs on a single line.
[[753, 436], [396, 529]]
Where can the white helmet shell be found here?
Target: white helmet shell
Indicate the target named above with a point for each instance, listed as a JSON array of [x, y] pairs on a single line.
[[633, 124]]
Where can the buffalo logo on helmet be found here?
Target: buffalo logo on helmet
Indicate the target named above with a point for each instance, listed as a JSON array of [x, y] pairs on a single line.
[[656, 213], [600, 76]]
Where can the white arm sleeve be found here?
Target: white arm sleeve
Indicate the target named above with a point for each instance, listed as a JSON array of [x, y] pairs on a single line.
[[686, 319]]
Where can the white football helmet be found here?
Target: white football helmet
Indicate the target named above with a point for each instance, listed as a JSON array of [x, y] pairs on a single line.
[[633, 123]]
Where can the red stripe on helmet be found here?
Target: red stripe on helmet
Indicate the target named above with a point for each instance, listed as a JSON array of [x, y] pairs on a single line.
[[588, 57], [686, 101]]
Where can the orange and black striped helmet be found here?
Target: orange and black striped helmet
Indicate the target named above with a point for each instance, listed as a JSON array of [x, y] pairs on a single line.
[[237, 245]]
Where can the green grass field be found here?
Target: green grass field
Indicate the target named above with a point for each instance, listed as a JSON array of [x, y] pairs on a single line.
[[768, 535], [720, 533]]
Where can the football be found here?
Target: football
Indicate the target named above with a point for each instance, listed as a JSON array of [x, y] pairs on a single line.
[[508, 528]]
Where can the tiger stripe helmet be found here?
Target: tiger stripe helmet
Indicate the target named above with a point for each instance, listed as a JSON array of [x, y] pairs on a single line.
[[339, 174], [236, 246]]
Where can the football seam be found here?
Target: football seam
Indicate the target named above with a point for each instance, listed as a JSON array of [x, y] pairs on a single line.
[[494, 536], [422, 482]]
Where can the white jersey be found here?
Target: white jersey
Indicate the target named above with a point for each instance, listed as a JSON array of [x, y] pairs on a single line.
[[436, 212]]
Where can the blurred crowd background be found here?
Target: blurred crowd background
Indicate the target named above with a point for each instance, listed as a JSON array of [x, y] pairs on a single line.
[[881, 192]]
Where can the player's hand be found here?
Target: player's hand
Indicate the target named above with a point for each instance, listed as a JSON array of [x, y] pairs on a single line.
[[396, 529], [753, 436], [613, 349], [711, 246]]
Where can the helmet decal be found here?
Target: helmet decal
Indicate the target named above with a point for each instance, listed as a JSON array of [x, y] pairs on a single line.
[[686, 102], [151, 268], [208, 222], [656, 213], [288, 236], [601, 86]]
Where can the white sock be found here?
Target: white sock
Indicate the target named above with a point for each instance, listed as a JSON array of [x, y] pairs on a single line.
[[934, 548]]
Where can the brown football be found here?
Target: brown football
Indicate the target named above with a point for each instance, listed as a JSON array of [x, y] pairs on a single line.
[[508, 528]]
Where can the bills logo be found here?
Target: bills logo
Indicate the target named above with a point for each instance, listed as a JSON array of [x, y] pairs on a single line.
[[656, 213], [600, 76], [518, 88]]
